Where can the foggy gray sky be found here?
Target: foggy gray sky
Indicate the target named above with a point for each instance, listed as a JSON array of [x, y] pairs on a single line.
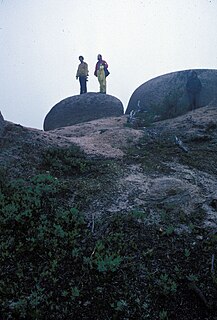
[[41, 40]]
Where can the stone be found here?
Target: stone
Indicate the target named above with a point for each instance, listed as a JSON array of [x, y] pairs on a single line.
[[2, 124], [82, 108], [165, 97]]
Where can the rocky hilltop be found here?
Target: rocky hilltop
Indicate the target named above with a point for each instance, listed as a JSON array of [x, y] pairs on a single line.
[[146, 245]]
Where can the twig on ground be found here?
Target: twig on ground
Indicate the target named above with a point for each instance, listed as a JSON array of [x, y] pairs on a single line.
[[200, 294], [180, 144]]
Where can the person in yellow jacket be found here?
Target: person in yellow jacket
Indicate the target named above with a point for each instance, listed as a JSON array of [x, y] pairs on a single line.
[[82, 74], [101, 72]]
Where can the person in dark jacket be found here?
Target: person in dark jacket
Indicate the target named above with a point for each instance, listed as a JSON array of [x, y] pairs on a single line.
[[193, 87]]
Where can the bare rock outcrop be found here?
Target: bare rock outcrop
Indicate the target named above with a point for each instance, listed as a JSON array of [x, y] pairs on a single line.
[[82, 108], [165, 96], [2, 124]]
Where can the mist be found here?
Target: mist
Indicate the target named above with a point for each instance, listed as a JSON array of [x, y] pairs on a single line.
[[42, 40]]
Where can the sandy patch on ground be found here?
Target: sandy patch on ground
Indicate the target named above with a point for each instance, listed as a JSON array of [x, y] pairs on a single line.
[[103, 137]]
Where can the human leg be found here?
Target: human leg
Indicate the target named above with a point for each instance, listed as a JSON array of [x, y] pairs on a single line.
[[83, 85], [102, 81], [104, 86]]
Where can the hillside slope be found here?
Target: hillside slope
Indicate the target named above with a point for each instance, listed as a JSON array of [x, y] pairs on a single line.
[[148, 198]]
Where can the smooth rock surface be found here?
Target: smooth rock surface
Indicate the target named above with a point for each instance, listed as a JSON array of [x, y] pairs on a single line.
[[82, 108], [166, 97]]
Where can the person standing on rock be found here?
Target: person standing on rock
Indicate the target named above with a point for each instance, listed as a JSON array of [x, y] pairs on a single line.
[[101, 72], [193, 87], [82, 74]]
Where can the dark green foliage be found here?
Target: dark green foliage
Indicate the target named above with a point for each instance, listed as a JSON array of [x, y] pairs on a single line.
[[88, 178], [53, 267], [66, 161], [37, 236], [73, 162]]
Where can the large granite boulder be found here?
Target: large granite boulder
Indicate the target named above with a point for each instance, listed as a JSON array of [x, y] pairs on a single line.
[[2, 124], [82, 108], [165, 96]]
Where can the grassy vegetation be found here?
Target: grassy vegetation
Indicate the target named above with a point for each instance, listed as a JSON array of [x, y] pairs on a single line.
[[55, 265], [72, 161], [87, 178]]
